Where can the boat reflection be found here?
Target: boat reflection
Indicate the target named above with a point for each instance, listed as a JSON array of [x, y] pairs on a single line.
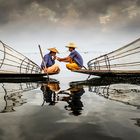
[[119, 89], [11, 95]]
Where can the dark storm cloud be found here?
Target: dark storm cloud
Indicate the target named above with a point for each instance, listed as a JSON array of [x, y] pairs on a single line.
[[86, 12], [82, 7], [7, 7], [16, 6]]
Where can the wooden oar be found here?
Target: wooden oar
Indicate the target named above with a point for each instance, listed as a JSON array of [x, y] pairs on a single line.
[[43, 60]]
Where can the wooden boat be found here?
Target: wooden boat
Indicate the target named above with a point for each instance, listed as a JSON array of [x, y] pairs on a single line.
[[124, 61]]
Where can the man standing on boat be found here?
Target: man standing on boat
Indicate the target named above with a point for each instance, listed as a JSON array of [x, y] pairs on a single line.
[[48, 64], [75, 59]]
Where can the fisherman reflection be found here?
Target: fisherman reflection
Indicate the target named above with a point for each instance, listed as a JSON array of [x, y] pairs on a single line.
[[12, 100], [49, 93], [75, 104], [137, 123]]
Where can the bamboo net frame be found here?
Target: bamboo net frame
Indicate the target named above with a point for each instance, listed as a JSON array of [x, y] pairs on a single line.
[[126, 58], [11, 61]]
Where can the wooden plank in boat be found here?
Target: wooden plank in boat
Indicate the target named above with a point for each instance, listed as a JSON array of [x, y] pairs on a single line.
[[104, 73], [24, 74]]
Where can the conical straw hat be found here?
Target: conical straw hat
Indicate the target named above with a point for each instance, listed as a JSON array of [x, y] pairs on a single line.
[[71, 45], [53, 50]]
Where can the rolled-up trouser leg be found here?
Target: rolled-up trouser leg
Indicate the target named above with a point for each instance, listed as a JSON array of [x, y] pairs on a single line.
[[54, 69], [72, 66]]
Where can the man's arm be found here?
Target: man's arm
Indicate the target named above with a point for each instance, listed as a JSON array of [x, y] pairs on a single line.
[[65, 59]]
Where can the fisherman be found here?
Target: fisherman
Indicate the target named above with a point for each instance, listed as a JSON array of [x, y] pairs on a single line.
[[48, 64], [75, 59]]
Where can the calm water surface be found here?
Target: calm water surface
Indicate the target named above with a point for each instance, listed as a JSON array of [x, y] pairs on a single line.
[[68, 109]]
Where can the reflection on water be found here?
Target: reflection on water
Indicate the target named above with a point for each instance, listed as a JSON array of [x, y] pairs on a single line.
[[125, 90], [52, 112], [11, 95], [125, 93], [137, 123], [72, 96], [73, 100], [49, 92]]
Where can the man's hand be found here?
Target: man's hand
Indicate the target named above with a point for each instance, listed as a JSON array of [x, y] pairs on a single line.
[[54, 57], [45, 70], [58, 58]]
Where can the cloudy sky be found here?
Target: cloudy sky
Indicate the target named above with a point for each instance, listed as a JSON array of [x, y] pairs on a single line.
[[94, 25]]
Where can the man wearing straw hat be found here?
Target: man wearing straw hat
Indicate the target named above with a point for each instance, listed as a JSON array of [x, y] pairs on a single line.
[[75, 59], [48, 64]]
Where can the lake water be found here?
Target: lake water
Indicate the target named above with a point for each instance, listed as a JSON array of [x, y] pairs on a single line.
[[67, 109]]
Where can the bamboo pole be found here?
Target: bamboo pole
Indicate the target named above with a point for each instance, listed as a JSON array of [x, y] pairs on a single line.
[[43, 59]]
